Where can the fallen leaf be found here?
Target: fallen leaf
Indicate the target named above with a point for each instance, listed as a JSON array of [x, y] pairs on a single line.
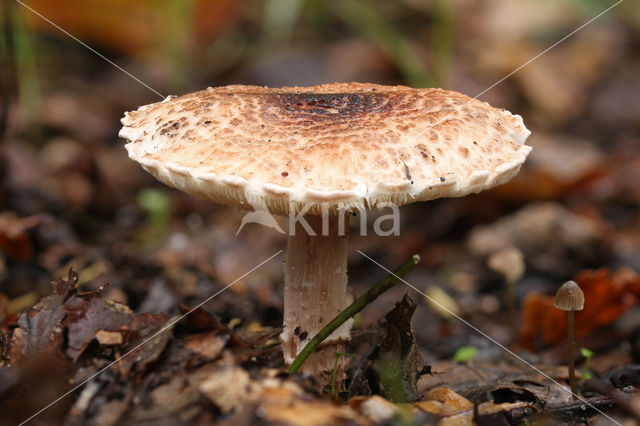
[[397, 362], [607, 297], [40, 328], [136, 23], [200, 320], [285, 403], [444, 402], [105, 337], [87, 314], [153, 333], [14, 237], [490, 413], [208, 345], [375, 408], [227, 386]]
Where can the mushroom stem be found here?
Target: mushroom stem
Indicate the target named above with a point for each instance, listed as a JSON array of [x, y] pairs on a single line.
[[511, 309], [315, 291], [570, 344]]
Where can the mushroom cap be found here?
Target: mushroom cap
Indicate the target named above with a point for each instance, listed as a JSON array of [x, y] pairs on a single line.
[[569, 297], [509, 262], [341, 146]]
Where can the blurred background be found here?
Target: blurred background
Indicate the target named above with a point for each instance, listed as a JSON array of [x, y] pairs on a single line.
[[70, 197]]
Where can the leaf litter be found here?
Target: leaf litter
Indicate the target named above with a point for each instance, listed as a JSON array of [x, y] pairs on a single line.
[[572, 212]]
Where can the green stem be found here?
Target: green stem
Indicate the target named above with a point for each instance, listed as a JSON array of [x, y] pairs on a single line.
[[351, 310]]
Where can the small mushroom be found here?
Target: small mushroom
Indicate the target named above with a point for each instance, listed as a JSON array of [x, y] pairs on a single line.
[[570, 298], [345, 147], [509, 262]]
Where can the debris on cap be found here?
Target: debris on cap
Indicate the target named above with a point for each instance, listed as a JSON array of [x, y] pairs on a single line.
[[324, 148], [569, 297]]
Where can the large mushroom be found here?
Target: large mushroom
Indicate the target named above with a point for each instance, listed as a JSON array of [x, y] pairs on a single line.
[[316, 153]]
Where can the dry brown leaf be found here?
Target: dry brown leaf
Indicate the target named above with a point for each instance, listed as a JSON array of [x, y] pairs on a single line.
[[227, 386], [208, 344], [606, 298], [105, 337], [14, 237], [444, 402], [375, 408], [286, 404], [136, 24]]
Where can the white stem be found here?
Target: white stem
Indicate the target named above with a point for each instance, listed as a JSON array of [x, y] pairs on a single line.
[[315, 291]]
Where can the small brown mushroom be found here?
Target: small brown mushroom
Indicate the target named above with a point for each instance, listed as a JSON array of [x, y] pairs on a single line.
[[317, 154], [570, 298]]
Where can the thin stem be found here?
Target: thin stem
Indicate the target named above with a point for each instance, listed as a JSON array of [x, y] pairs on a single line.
[[572, 367], [351, 310], [511, 310]]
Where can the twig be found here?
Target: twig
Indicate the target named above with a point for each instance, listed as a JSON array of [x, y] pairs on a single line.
[[358, 305]]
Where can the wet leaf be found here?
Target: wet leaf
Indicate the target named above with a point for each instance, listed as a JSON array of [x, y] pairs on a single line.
[[87, 314], [40, 328]]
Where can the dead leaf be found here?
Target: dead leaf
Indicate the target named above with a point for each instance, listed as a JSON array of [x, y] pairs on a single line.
[[285, 403], [200, 320], [152, 337], [606, 298], [14, 237], [375, 408], [397, 361], [444, 402], [107, 338], [89, 313], [507, 413], [135, 23], [208, 345], [227, 386], [40, 328]]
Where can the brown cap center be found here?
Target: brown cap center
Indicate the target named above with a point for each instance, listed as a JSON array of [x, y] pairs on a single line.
[[332, 105]]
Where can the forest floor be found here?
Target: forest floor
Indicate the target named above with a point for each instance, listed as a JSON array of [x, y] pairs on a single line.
[[97, 257]]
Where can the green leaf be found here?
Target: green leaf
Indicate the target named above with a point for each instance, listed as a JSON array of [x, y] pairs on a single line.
[[465, 353], [156, 203], [586, 353]]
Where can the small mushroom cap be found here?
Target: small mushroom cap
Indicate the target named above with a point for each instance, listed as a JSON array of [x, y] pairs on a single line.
[[324, 148], [569, 297], [509, 262]]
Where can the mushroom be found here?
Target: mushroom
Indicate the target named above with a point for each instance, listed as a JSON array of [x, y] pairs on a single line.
[[509, 262], [316, 154], [570, 298]]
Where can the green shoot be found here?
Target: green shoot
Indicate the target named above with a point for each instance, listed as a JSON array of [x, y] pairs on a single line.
[[335, 370], [465, 354], [156, 205], [587, 354]]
